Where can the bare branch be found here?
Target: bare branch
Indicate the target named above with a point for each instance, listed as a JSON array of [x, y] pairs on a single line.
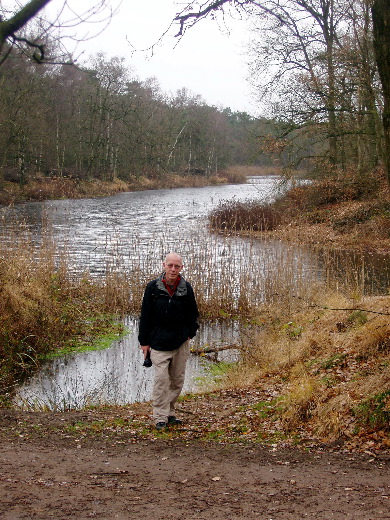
[[39, 53], [51, 27], [203, 12]]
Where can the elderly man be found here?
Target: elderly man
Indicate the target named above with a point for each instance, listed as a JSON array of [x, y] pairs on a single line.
[[169, 319]]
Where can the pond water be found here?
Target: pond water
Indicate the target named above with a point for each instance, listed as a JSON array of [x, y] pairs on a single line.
[[133, 231], [114, 375], [133, 225]]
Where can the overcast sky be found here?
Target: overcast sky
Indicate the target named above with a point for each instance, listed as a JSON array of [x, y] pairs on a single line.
[[209, 60]]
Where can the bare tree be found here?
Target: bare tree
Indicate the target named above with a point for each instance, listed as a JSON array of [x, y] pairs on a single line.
[[16, 28], [323, 12]]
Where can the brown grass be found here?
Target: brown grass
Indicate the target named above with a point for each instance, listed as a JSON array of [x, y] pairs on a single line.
[[46, 188], [45, 307], [329, 367]]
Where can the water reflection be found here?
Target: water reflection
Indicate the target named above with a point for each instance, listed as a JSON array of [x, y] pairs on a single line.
[[114, 375]]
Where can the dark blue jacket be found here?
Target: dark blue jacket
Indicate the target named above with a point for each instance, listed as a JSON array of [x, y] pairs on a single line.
[[166, 322]]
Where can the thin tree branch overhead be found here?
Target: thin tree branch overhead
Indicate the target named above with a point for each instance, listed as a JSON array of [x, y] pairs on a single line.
[[19, 20], [205, 10], [40, 35]]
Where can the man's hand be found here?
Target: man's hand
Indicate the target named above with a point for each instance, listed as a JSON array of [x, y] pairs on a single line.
[[145, 349]]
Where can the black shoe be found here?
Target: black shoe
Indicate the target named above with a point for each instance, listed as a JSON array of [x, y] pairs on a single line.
[[172, 421], [161, 425]]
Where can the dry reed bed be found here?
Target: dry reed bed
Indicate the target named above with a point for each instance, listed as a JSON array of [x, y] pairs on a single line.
[[47, 305], [44, 306]]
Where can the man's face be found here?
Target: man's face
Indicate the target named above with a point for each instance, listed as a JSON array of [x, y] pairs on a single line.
[[172, 267]]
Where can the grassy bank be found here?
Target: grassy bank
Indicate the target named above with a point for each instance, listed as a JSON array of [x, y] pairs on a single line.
[[46, 188], [325, 366], [341, 212], [314, 362]]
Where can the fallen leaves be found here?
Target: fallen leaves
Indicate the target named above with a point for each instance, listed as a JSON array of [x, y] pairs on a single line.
[[244, 416]]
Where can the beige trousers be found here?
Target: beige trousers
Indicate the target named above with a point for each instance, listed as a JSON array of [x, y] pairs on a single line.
[[169, 372]]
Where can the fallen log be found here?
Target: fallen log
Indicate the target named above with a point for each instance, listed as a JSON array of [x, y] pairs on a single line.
[[211, 350]]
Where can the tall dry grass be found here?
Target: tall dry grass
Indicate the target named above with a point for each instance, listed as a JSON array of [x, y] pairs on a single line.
[[231, 276], [245, 216], [273, 289], [327, 362], [44, 306]]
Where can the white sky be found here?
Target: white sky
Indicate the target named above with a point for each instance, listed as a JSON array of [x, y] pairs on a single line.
[[209, 60]]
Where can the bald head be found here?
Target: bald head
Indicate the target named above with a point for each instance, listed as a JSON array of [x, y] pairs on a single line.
[[174, 257], [173, 264]]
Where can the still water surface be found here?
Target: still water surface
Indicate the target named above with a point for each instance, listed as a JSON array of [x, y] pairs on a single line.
[[129, 229], [95, 232]]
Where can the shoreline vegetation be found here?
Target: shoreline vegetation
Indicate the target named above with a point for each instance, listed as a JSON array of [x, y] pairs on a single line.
[[346, 212], [318, 358], [42, 188]]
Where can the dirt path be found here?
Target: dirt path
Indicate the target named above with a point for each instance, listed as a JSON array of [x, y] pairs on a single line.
[[226, 462], [109, 463], [165, 479]]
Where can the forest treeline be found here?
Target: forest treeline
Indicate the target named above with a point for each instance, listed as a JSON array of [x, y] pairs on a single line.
[[317, 68], [100, 122]]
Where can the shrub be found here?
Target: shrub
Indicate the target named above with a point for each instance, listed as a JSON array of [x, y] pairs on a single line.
[[333, 189], [244, 216]]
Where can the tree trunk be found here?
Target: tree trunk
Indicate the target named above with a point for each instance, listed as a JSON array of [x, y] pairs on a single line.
[[381, 25]]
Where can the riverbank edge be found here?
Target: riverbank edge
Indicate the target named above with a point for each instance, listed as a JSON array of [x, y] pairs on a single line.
[[367, 236], [43, 188]]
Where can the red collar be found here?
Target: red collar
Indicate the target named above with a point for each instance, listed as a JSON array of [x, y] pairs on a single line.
[[171, 288]]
